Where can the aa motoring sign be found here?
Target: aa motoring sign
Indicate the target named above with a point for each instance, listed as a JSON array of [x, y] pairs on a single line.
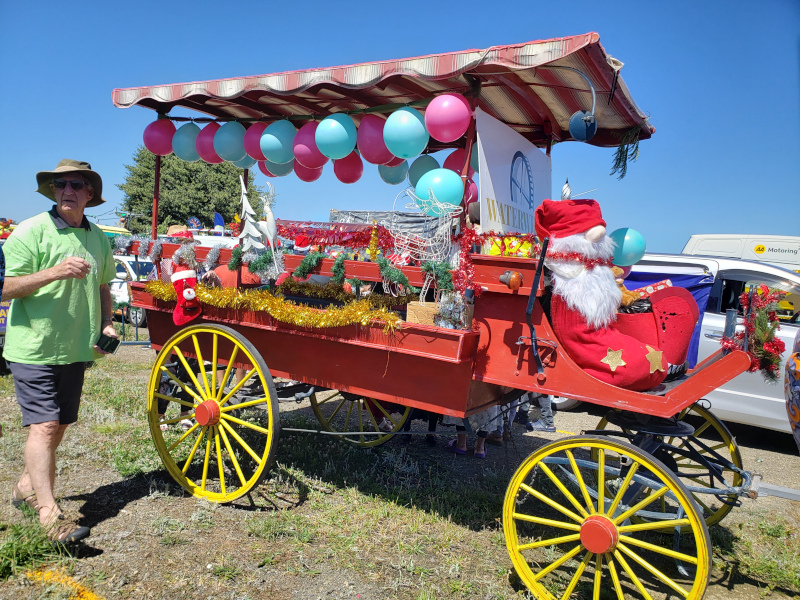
[[514, 177]]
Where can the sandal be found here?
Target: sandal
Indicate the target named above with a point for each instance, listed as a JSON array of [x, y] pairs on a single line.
[[479, 454], [17, 500], [186, 424], [66, 532], [162, 426], [451, 445]]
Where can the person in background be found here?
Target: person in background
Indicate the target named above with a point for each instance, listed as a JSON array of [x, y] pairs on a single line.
[[792, 388], [58, 269]]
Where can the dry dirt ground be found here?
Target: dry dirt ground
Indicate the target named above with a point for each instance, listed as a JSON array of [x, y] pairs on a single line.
[[208, 552]]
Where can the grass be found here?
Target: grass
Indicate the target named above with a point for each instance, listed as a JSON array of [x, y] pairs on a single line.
[[413, 523]]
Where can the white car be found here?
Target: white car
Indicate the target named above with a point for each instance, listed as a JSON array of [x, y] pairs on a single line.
[[129, 268], [717, 284]]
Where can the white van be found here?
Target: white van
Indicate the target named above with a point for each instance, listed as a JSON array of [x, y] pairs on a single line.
[[779, 250]]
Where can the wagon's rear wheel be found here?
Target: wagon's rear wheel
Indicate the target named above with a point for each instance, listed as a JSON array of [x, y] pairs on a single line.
[[226, 444], [366, 421], [565, 538], [695, 471]]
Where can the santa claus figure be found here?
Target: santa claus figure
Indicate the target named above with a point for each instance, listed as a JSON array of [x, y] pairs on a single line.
[[632, 351]]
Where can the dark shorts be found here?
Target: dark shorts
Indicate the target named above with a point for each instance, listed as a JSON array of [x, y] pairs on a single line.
[[48, 392]]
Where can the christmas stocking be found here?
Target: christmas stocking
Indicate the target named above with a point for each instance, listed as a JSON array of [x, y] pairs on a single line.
[[188, 307]]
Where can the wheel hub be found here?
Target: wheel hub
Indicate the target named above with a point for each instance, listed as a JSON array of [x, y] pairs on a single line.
[[207, 413], [599, 535]]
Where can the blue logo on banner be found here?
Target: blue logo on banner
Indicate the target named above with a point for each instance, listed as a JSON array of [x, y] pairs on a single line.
[[521, 181], [194, 223]]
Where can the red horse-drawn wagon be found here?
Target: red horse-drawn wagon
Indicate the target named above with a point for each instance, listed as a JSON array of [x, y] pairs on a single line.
[[626, 509]]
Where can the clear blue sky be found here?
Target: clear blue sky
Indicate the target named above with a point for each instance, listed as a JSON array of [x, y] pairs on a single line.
[[720, 80]]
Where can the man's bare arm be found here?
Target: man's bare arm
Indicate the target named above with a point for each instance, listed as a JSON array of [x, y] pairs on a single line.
[[72, 267]]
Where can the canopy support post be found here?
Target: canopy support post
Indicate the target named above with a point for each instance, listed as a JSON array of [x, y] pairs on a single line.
[[156, 186]]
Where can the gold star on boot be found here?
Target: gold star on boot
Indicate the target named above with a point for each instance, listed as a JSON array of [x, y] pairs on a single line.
[[613, 359], [654, 357]]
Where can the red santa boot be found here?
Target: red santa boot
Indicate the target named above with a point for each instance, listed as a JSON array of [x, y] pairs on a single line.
[[188, 307], [586, 298]]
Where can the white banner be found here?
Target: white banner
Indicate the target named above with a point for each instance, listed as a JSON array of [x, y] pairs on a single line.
[[514, 177]]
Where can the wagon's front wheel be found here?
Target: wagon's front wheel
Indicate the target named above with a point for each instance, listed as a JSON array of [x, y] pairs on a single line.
[[565, 538], [365, 422], [220, 427]]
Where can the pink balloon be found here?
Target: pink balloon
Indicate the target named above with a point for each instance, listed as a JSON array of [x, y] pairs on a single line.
[[370, 140], [158, 137], [349, 169], [262, 166], [470, 193], [447, 117], [455, 162], [305, 147], [205, 144], [305, 174], [252, 141], [396, 161]]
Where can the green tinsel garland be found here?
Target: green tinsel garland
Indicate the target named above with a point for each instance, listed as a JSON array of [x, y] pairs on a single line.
[[262, 263], [628, 151], [392, 273], [337, 271], [441, 274], [236, 259], [308, 264]]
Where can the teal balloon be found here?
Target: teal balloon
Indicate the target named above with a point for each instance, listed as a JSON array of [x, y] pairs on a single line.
[[336, 136], [421, 166], [246, 163], [184, 142], [474, 161], [279, 169], [630, 246], [277, 142], [446, 185], [393, 175], [404, 133], [229, 141]]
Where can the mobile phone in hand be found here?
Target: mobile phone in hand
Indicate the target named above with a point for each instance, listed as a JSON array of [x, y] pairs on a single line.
[[107, 343]]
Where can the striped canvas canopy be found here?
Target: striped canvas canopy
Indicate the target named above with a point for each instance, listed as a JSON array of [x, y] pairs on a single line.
[[531, 87]]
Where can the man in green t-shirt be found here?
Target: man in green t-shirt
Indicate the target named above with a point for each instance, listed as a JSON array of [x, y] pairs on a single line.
[[58, 266]]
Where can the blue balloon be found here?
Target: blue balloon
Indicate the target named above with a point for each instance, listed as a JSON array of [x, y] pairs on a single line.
[[393, 175], [279, 169], [336, 136], [246, 163], [277, 142], [229, 141], [630, 246], [421, 166], [404, 132], [184, 142], [474, 161], [446, 185]]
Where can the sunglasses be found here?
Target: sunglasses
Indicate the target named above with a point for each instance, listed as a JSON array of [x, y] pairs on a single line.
[[63, 183]]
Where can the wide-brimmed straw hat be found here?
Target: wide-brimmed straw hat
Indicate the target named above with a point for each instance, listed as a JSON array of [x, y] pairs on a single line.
[[67, 165]]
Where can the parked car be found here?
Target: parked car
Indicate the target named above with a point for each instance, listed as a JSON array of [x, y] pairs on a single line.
[[716, 283], [129, 268]]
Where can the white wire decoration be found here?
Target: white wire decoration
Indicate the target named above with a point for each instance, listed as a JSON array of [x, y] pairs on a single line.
[[435, 243]]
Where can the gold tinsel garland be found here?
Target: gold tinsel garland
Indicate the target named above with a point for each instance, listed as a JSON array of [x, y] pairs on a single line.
[[285, 311]]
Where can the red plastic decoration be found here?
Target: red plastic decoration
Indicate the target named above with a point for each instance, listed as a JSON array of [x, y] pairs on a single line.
[[455, 162], [305, 174], [349, 169], [252, 141], [370, 141]]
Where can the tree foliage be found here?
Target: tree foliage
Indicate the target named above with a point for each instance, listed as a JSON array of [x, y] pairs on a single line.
[[187, 190]]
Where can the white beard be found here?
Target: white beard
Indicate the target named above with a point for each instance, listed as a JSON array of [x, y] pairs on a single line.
[[591, 292]]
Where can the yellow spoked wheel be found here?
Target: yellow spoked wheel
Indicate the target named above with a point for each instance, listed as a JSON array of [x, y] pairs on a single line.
[[220, 427], [356, 416], [565, 538], [710, 436]]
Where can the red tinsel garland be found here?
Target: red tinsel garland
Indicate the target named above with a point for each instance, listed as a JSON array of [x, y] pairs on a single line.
[[348, 237], [589, 263]]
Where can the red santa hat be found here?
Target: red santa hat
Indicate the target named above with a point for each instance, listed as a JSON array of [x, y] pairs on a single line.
[[562, 218]]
